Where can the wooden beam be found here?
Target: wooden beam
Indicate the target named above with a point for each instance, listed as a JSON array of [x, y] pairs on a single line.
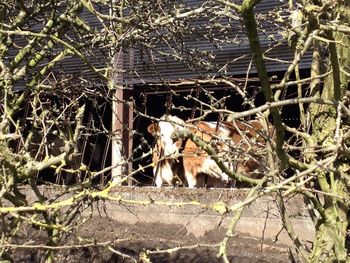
[[122, 123]]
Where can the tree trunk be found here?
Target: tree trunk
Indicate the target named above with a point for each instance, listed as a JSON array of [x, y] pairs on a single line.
[[330, 241]]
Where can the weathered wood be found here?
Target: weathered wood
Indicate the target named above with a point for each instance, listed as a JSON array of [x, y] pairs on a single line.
[[122, 123]]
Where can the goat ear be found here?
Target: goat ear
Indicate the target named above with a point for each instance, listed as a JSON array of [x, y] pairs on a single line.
[[152, 128]]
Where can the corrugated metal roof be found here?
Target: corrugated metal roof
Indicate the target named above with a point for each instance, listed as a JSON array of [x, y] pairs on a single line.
[[228, 56], [70, 64]]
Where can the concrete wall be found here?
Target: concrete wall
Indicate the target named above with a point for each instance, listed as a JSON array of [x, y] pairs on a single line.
[[260, 219]]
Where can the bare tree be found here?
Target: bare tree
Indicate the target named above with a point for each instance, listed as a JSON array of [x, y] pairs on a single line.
[[53, 94], [320, 142]]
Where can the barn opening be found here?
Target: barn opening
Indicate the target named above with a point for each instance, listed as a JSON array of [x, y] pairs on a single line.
[[47, 122], [192, 101]]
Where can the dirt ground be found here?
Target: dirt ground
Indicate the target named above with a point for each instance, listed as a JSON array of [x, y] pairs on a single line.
[[132, 240]]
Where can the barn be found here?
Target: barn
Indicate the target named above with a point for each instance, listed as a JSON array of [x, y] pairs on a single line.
[[91, 115], [179, 69], [215, 67]]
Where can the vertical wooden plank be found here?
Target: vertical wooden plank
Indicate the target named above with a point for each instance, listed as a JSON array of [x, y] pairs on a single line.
[[122, 123], [129, 136], [130, 113], [117, 118]]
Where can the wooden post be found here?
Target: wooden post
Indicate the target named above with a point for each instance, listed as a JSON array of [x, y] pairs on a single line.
[[117, 156], [130, 114], [119, 152], [122, 123], [117, 116], [128, 134]]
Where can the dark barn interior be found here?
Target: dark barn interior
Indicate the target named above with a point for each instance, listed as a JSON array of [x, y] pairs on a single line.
[[155, 101]]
